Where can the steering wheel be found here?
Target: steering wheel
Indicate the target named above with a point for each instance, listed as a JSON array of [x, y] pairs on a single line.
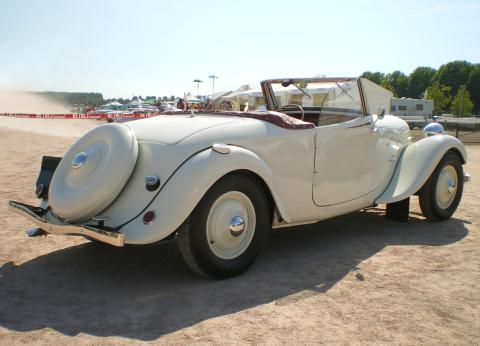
[[293, 105]]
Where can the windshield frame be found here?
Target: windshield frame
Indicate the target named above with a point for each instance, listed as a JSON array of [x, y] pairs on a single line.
[[271, 101]]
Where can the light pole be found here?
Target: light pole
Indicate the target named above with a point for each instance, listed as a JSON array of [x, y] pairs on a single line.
[[198, 81], [213, 83]]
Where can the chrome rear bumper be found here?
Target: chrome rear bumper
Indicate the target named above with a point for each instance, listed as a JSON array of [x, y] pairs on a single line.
[[32, 213]]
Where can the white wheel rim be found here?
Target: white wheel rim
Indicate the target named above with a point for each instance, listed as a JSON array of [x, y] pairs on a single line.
[[227, 237], [447, 184]]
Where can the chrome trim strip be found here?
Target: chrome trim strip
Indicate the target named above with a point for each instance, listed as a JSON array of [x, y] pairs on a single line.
[[112, 238]]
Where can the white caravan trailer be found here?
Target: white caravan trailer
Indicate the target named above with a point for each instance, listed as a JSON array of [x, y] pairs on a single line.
[[416, 112]]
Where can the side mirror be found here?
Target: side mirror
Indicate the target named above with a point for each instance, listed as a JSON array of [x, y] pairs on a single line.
[[376, 117]]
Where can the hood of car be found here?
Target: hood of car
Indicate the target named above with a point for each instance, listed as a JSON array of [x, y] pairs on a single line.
[[172, 129]]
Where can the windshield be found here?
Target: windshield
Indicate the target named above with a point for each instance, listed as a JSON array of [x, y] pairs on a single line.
[[325, 96], [320, 96]]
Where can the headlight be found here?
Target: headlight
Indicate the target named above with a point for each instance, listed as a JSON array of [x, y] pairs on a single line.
[[433, 129]]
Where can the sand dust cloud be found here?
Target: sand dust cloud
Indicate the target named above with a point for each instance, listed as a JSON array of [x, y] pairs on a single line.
[[26, 102]]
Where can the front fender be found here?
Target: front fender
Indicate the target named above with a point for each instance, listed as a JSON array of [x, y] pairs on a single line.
[[180, 195], [415, 165]]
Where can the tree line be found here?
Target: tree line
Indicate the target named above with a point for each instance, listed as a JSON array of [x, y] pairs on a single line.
[[454, 87]]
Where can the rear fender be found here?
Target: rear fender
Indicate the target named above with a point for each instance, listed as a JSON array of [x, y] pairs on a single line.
[[180, 195], [417, 162]]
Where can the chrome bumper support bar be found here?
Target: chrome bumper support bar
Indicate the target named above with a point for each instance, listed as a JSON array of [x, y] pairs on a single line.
[[29, 212]]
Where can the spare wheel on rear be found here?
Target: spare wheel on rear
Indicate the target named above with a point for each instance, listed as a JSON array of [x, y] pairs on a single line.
[[93, 172]]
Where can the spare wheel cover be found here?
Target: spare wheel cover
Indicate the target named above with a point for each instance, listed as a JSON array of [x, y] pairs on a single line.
[[93, 172]]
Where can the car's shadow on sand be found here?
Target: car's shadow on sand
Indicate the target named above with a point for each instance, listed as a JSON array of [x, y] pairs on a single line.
[[145, 292]]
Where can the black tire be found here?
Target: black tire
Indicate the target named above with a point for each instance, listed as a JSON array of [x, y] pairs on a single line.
[[427, 196], [192, 235]]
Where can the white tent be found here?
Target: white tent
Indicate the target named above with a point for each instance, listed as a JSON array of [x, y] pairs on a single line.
[[223, 94], [189, 98], [112, 105], [136, 102], [279, 90], [255, 92]]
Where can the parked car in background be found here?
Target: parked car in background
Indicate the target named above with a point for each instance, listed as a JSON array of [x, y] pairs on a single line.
[[219, 181], [165, 107]]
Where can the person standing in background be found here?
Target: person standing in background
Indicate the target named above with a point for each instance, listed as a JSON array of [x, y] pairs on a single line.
[[181, 104]]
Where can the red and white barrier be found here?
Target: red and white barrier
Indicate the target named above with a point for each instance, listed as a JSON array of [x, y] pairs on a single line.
[[78, 116]]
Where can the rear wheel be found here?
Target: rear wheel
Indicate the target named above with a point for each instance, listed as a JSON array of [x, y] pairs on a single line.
[[441, 194], [227, 230]]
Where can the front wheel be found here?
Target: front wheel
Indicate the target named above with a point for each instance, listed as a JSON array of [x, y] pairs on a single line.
[[441, 194], [226, 231]]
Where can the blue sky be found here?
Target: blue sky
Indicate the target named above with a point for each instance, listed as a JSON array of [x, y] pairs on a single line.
[[147, 47]]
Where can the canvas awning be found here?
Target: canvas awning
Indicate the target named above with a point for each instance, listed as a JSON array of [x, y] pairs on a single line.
[[192, 99]]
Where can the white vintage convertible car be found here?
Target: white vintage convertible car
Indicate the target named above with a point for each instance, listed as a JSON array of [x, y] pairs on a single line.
[[218, 182]]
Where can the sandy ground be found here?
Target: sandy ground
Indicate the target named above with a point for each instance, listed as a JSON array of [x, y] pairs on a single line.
[[356, 279]]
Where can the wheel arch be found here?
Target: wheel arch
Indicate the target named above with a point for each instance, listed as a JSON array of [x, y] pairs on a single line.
[[415, 165], [261, 182], [463, 159]]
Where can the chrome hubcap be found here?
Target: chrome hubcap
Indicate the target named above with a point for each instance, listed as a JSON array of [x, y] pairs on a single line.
[[446, 187], [230, 225], [79, 159], [237, 225]]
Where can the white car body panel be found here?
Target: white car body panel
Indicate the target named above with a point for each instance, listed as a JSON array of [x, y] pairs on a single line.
[[174, 129], [348, 162]]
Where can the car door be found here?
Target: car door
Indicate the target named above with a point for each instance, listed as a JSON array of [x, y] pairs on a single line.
[[349, 161]]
